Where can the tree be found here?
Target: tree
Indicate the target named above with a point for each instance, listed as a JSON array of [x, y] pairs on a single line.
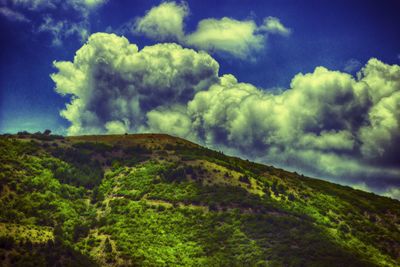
[[108, 250], [107, 246], [47, 132], [344, 228], [281, 189], [274, 188], [244, 179], [267, 192], [80, 231]]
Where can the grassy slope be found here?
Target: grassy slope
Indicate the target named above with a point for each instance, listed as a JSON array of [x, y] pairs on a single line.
[[157, 200]]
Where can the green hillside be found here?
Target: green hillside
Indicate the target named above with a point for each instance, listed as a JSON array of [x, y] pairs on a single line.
[[157, 200]]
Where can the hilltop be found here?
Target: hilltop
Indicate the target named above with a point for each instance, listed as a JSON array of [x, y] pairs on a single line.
[[158, 200]]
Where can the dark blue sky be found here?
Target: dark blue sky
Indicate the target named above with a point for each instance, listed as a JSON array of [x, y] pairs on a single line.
[[324, 33]]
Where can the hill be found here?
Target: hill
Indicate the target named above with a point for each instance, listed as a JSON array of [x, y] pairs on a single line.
[[158, 200]]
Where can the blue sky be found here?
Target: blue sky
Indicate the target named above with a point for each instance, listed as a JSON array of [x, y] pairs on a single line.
[[347, 124], [324, 33]]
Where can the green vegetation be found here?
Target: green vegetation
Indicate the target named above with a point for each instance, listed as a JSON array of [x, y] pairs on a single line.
[[155, 200]]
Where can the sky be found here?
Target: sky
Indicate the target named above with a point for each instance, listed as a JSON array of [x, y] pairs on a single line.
[[310, 86]]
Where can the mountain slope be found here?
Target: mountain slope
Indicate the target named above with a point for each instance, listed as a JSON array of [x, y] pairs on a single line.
[[157, 200]]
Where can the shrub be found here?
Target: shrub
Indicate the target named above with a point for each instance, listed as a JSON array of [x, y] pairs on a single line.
[[281, 189], [344, 228], [244, 179], [174, 174]]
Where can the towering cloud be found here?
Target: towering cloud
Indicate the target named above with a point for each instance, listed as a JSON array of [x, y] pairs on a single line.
[[113, 84], [328, 123]]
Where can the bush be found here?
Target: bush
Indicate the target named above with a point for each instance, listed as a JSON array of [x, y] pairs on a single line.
[[93, 147], [80, 231], [81, 170], [244, 179], [344, 228], [274, 188], [281, 189], [172, 174]]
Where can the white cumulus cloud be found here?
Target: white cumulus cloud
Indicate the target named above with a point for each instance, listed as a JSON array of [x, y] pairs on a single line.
[[226, 35], [238, 38], [163, 22], [110, 79]]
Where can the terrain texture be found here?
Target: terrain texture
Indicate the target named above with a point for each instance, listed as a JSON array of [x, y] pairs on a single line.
[[157, 200]]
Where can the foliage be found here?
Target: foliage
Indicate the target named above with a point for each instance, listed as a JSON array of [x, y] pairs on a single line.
[[159, 201]]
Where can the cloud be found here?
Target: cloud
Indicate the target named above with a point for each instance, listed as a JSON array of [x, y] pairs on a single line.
[[361, 186], [34, 4], [328, 124], [59, 30], [110, 80], [393, 192], [169, 120], [13, 15], [61, 19], [325, 124], [94, 3], [226, 35], [238, 38], [117, 126], [163, 22], [312, 114], [382, 132], [274, 25], [82, 6], [352, 65]]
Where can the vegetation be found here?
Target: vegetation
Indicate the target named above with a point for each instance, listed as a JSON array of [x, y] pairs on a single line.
[[156, 200]]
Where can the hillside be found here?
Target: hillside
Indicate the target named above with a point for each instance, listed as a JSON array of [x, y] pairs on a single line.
[[157, 200]]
